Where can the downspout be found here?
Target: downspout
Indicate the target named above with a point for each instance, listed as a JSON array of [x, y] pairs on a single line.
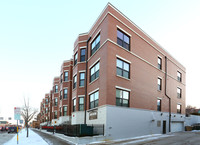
[[86, 72], [166, 94]]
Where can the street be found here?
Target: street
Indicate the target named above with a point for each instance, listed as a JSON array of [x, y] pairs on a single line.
[[180, 138], [5, 136]]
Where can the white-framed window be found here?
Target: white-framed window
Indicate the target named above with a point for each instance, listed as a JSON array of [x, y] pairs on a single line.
[[81, 79], [179, 76], [122, 97], [159, 84], [123, 39], [74, 81], [81, 104], [75, 58], [94, 100], [65, 94], [95, 45], [159, 63], [158, 104], [179, 108], [123, 68], [179, 92], [94, 72]]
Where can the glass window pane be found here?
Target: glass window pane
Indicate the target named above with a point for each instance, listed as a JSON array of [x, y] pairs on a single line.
[[126, 66], [118, 93], [93, 45], [92, 71], [125, 95], [119, 34], [97, 67], [91, 97], [119, 63], [119, 72], [126, 39], [81, 100], [98, 39], [82, 51], [118, 102], [82, 76], [125, 103], [96, 95], [125, 74]]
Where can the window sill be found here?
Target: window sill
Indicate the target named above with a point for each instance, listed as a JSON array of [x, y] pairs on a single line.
[[93, 81], [81, 86], [159, 90], [122, 77]]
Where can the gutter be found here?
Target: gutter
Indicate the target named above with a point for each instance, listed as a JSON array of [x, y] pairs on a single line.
[[86, 72], [166, 94]]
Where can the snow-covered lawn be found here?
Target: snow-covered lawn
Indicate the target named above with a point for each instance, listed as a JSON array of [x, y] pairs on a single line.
[[33, 139]]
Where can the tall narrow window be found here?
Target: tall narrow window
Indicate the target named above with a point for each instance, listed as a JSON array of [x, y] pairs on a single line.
[[82, 55], [65, 94], [56, 88], [55, 115], [61, 95], [75, 58], [123, 40], [74, 81], [158, 105], [179, 76], [81, 104], [94, 100], [179, 108], [122, 98], [159, 63], [56, 102], [81, 79], [95, 45], [159, 84], [94, 72], [179, 93], [123, 68], [64, 110], [60, 111], [66, 76], [74, 105], [61, 78], [47, 100]]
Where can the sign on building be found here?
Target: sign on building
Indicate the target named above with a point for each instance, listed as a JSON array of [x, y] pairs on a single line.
[[17, 113], [93, 115]]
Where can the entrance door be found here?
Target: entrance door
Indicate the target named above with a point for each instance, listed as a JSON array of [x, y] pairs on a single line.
[[164, 127]]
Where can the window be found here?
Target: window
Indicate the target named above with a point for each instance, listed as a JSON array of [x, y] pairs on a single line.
[[82, 55], [75, 58], [179, 76], [81, 104], [64, 110], [81, 79], [94, 72], [61, 78], [56, 88], [66, 76], [122, 98], [74, 81], [55, 115], [159, 63], [159, 84], [56, 102], [46, 101], [94, 100], [158, 105], [179, 93], [65, 94], [46, 110], [74, 105], [123, 40], [123, 68], [178, 108], [95, 45], [61, 95], [60, 111]]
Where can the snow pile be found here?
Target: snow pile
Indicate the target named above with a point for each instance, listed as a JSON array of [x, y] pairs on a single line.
[[33, 139]]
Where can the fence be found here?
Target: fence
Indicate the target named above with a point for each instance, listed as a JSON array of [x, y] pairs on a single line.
[[78, 130]]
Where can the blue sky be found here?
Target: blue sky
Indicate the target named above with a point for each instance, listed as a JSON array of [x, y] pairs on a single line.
[[36, 36]]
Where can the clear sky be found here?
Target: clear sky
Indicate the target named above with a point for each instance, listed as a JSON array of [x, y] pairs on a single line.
[[36, 36]]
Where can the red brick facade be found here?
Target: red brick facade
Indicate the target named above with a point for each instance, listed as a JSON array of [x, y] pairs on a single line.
[[144, 70]]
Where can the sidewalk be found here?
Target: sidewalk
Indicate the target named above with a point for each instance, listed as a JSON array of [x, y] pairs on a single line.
[[33, 139]]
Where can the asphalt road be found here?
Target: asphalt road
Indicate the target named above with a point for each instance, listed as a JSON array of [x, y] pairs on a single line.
[[179, 138], [5, 136], [51, 139]]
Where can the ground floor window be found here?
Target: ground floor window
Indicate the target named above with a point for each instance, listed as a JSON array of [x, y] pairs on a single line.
[[122, 98]]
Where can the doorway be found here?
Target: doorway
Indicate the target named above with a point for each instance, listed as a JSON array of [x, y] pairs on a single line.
[[164, 127]]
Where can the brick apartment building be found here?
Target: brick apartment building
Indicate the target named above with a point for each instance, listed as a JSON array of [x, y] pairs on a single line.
[[119, 77]]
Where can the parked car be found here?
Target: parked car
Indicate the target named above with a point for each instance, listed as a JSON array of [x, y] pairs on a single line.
[[2, 128], [12, 129]]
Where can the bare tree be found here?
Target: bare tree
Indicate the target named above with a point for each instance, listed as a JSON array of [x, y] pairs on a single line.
[[27, 113]]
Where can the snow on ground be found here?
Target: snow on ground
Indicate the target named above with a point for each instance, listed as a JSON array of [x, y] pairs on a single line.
[[33, 139]]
